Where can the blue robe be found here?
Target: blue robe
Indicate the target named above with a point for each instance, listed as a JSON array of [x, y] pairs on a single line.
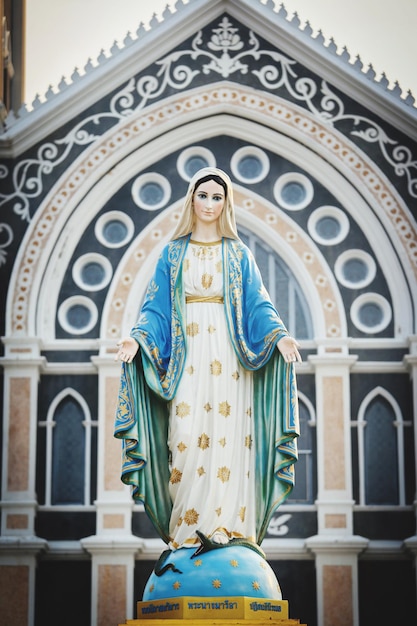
[[151, 380]]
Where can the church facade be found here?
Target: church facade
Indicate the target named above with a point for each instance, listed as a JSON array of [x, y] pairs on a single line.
[[323, 163]]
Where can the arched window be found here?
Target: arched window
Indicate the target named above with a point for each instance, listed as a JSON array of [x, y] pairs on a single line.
[[304, 491], [68, 450], [282, 286], [381, 450]]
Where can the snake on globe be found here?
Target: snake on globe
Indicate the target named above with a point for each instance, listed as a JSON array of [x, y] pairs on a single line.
[[206, 545]]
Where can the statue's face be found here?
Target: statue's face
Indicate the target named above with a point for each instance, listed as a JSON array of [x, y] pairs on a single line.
[[208, 202]]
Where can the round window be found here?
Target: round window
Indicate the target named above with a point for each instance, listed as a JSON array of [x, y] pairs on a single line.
[[151, 191], [371, 313], [293, 191], [250, 164], [77, 315], [328, 225], [114, 229], [193, 159], [92, 272], [355, 269]]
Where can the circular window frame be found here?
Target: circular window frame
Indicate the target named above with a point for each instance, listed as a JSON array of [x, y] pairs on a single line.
[[373, 298], [151, 177], [73, 301], [291, 177], [328, 211], [194, 151], [362, 256], [250, 151], [111, 216], [85, 259]]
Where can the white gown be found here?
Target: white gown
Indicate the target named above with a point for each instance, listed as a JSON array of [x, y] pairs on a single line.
[[212, 483]]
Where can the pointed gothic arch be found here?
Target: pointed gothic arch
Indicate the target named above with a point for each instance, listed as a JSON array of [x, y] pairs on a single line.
[[387, 408], [55, 447], [102, 166]]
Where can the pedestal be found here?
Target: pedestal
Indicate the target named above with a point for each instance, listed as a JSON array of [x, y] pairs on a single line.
[[231, 584], [211, 611]]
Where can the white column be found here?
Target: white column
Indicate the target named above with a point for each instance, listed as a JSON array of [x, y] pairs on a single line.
[[18, 545], [335, 547], [113, 548]]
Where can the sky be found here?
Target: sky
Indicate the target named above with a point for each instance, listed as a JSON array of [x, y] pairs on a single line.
[[64, 34]]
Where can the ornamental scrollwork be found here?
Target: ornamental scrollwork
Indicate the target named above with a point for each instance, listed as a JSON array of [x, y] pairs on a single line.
[[225, 54], [6, 233]]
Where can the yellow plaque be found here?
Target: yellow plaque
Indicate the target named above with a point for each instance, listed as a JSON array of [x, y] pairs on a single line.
[[193, 607]]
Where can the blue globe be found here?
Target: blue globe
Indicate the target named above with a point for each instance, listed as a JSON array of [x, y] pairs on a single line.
[[227, 571]]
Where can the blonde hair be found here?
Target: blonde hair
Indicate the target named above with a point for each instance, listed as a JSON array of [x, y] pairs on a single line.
[[226, 223]]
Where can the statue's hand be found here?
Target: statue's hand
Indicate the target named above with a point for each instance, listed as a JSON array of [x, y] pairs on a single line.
[[289, 349], [128, 348]]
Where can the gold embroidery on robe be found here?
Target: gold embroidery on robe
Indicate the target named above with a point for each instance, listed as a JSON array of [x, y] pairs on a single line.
[[183, 409], [176, 476], [192, 329], [206, 281], [223, 473], [204, 441], [191, 517], [216, 368], [248, 441], [224, 408]]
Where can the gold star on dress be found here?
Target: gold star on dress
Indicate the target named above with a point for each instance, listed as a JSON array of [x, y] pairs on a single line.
[[183, 409], [176, 476], [201, 471], [256, 585], [203, 441], [177, 584], [223, 473], [217, 583], [181, 446], [192, 329], [191, 517], [224, 408], [206, 280], [216, 367]]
